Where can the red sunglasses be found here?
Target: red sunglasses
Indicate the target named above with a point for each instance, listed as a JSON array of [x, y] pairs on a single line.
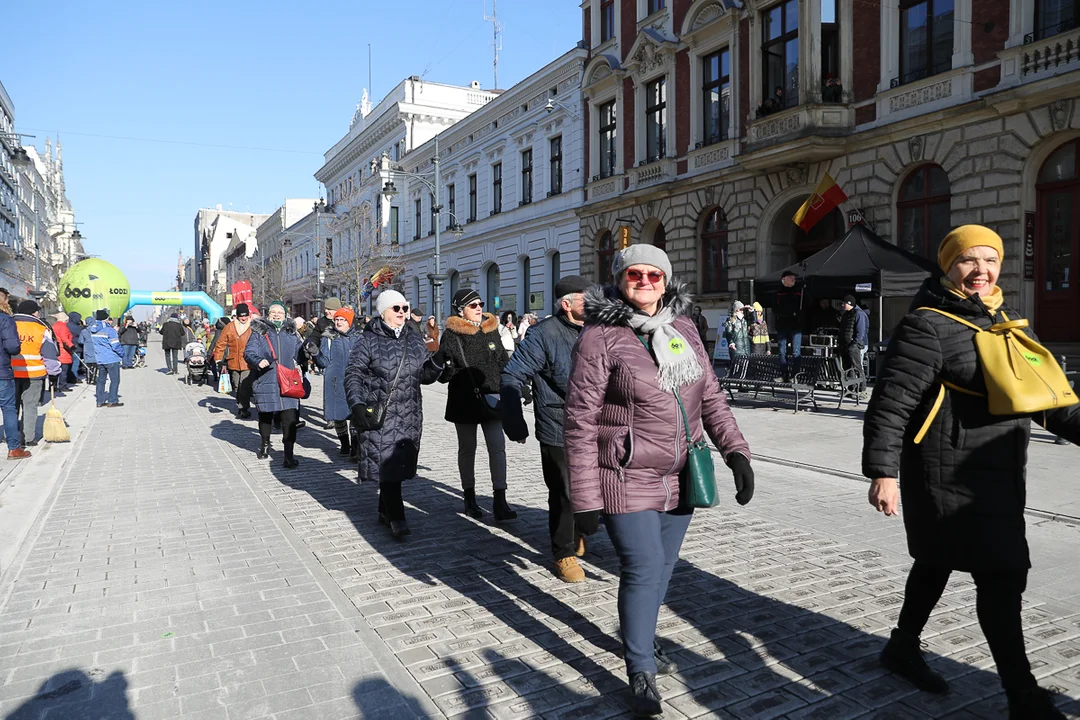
[[654, 276]]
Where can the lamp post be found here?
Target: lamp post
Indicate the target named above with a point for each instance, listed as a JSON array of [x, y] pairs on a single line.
[[436, 278]]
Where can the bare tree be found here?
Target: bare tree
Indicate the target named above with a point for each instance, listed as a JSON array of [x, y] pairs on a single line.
[[360, 250]]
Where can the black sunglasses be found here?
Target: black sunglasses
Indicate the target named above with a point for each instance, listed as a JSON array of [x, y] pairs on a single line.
[[400, 308]]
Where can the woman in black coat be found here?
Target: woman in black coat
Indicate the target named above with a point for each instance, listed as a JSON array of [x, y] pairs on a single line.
[[474, 356], [964, 480], [272, 342], [389, 454]]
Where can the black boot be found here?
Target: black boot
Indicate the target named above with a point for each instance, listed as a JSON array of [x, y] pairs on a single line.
[[399, 529], [471, 508], [264, 451], [346, 446], [1034, 703], [646, 701], [664, 664], [291, 462], [903, 656], [501, 508]]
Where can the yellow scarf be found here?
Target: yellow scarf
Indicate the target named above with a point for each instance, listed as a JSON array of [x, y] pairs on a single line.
[[993, 301]]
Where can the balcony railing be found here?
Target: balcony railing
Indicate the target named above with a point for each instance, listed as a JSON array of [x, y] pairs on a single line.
[[1053, 52]]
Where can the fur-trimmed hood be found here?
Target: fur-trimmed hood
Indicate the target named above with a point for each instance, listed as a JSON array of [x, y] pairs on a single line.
[[262, 326], [461, 326], [605, 306]]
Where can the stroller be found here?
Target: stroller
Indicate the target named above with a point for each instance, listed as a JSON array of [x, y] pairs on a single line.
[[195, 359], [140, 354]]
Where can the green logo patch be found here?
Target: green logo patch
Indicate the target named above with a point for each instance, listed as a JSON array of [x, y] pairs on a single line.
[[491, 346], [1033, 359], [676, 346]]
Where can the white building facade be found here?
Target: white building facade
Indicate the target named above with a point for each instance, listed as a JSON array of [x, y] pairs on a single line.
[[215, 229]]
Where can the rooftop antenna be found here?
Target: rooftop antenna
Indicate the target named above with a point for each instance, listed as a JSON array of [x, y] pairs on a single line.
[[496, 33]]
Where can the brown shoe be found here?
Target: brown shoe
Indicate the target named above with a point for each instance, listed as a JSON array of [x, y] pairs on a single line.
[[580, 552], [18, 454], [569, 571]]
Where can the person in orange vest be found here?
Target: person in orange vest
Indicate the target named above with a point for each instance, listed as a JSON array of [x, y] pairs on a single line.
[[36, 346]]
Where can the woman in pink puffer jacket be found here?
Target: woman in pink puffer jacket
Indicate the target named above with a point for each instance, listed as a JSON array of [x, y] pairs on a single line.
[[626, 444]]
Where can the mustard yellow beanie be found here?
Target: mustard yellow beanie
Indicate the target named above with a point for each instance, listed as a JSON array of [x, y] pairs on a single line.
[[964, 238]]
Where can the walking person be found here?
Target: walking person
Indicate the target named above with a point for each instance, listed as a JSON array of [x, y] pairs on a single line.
[[219, 327], [702, 326], [129, 342], [274, 342], [86, 342], [331, 355], [229, 349], [173, 340], [109, 354], [788, 318], [472, 352], [758, 329], [508, 332], [10, 347], [387, 365], [736, 332], [430, 334], [638, 363], [65, 346], [854, 335], [543, 361], [962, 468], [36, 346]]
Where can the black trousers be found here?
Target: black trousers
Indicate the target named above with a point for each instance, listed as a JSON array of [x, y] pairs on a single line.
[[564, 534], [390, 503], [241, 381], [288, 420], [997, 603]]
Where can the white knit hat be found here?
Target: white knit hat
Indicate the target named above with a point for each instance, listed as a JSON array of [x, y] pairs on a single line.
[[388, 298]]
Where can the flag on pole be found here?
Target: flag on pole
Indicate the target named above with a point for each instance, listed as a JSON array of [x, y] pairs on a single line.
[[827, 196], [382, 276]]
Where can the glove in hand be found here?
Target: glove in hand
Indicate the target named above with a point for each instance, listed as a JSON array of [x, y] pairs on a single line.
[[744, 477], [587, 522]]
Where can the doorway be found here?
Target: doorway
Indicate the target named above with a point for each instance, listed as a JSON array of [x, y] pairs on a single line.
[[1057, 246]]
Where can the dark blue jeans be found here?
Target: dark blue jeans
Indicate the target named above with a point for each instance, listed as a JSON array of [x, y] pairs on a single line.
[[112, 372], [648, 544], [129, 354], [11, 414], [782, 338]]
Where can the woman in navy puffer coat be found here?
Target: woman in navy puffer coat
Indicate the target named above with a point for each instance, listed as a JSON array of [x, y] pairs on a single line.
[[274, 341], [389, 454]]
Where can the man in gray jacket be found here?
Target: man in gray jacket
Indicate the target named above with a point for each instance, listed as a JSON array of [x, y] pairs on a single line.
[[543, 360]]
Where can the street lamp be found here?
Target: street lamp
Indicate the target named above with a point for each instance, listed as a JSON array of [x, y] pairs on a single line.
[[19, 156]]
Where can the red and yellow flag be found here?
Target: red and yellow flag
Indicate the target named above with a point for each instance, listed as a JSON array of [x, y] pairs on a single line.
[[827, 196]]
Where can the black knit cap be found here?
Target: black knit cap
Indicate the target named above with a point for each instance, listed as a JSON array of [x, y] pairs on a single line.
[[464, 296], [102, 315], [27, 307], [242, 310], [570, 285]]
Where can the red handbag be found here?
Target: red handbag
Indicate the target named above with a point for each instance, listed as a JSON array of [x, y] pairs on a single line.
[[290, 381]]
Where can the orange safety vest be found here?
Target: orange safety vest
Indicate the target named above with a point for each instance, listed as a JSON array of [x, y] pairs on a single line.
[[28, 363]]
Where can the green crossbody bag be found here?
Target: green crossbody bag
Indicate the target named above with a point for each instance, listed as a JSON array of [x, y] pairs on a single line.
[[697, 481]]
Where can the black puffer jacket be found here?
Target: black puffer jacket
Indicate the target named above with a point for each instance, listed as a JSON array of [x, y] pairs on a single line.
[[479, 368], [963, 487], [389, 454]]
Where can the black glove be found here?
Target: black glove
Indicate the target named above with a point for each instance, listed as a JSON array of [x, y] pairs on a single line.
[[744, 477], [587, 522]]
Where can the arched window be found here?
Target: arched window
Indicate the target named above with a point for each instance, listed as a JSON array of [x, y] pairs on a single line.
[[714, 247], [924, 212], [605, 255], [555, 270], [1057, 246], [416, 292], [524, 303], [448, 297], [660, 237], [491, 302]]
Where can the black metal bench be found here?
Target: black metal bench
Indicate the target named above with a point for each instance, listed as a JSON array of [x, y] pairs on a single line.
[[806, 374]]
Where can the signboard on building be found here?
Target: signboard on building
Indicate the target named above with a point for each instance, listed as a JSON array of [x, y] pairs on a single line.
[[624, 237], [1029, 246], [536, 301], [509, 302]]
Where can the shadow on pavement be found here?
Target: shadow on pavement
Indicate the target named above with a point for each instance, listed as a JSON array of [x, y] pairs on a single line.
[[75, 694], [376, 698]]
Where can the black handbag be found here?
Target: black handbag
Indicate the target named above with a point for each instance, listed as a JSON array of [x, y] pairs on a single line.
[[371, 416], [490, 404]]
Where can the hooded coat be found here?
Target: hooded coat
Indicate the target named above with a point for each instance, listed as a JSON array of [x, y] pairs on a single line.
[[625, 437], [75, 326], [173, 335], [286, 347], [475, 358], [333, 357], [737, 333], [106, 343], [65, 343], [389, 454], [963, 488]]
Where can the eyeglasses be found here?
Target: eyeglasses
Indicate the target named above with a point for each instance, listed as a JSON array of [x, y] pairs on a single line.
[[400, 308], [475, 305], [654, 276]]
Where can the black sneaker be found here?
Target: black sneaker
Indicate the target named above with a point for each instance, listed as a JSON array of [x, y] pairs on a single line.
[[1033, 704], [903, 655], [664, 664], [646, 698]]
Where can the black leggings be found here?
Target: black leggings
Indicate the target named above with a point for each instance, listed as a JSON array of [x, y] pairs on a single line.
[[288, 428], [390, 502], [997, 603]]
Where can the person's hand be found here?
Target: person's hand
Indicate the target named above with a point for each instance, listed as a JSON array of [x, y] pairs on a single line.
[[885, 496], [744, 477], [263, 364], [587, 522]]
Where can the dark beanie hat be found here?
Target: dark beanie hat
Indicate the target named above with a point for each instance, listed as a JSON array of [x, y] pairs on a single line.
[[27, 307], [102, 314], [570, 285], [850, 300], [464, 296], [242, 310]]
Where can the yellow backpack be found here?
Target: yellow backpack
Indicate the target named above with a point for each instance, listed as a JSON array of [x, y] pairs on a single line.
[[1021, 375]]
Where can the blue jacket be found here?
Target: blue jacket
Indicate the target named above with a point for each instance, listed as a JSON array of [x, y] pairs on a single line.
[[862, 328], [9, 345], [334, 349], [286, 347], [542, 359], [106, 343], [86, 340]]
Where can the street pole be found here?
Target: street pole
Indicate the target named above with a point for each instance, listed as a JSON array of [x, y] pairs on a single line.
[[437, 277]]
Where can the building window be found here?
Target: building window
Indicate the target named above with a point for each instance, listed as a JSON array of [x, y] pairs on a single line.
[[451, 216], [655, 119], [556, 165], [394, 236], [1055, 16], [607, 20], [525, 303], [655, 6], [418, 219], [556, 275], [716, 96], [472, 198], [492, 299], [605, 254], [378, 223], [714, 248], [924, 209], [831, 90], [780, 57], [659, 238], [434, 214], [608, 150], [496, 188], [926, 38], [526, 177], [396, 154]]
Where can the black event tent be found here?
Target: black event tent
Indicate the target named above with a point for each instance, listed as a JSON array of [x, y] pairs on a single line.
[[859, 264]]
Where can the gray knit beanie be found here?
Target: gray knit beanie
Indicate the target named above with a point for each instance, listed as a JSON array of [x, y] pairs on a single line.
[[641, 255]]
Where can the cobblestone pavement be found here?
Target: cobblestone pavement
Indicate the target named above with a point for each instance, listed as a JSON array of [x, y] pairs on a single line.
[[292, 601]]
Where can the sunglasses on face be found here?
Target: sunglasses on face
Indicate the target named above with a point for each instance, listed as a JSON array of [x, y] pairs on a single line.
[[400, 308], [654, 276], [475, 306]]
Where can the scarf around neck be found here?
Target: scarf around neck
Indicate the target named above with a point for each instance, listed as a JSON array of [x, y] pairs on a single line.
[[678, 364], [993, 301]]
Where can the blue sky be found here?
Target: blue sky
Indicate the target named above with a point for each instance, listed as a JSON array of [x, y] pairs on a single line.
[[281, 79]]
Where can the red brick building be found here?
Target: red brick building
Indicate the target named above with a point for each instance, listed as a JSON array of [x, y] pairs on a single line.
[[709, 122]]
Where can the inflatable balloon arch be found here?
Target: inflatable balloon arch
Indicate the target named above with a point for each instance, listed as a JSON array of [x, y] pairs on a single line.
[[95, 284]]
